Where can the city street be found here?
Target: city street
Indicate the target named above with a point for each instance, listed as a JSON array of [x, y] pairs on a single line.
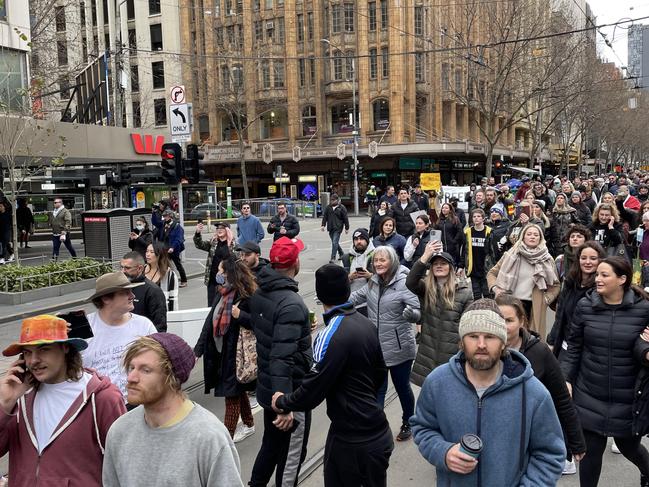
[[407, 465]]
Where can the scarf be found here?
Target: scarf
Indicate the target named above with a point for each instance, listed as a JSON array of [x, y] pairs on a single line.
[[223, 312], [544, 270]]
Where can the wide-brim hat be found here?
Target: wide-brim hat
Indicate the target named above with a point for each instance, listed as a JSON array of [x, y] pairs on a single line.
[[43, 330], [112, 282]]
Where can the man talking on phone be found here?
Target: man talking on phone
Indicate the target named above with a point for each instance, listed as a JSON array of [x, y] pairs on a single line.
[[55, 414]]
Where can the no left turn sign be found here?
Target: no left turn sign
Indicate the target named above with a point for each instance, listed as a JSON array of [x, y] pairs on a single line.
[[177, 94]]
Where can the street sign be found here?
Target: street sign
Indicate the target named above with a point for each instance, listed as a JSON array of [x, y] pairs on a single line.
[[177, 94], [373, 149], [297, 153], [180, 122], [267, 153], [340, 151]]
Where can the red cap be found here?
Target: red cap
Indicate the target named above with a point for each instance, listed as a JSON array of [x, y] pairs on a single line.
[[285, 251]]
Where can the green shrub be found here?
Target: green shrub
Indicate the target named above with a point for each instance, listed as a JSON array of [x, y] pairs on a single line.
[[51, 274]]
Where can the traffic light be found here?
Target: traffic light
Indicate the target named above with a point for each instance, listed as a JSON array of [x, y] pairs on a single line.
[[361, 172], [192, 165], [498, 168], [346, 173], [172, 163]]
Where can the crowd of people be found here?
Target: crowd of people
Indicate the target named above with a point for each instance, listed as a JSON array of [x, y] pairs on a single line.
[[428, 296]]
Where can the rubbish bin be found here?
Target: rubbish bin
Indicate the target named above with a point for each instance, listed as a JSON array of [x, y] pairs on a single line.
[[106, 232]]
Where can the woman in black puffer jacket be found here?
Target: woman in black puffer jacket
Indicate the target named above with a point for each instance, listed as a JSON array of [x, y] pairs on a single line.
[[452, 232], [605, 358]]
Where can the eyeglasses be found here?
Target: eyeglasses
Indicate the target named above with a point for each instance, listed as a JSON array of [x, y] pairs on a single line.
[[245, 208]]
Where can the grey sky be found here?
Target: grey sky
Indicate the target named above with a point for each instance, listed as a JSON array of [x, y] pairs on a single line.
[[608, 11]]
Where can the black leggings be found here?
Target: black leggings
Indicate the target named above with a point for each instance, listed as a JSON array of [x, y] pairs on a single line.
[[591, 465]]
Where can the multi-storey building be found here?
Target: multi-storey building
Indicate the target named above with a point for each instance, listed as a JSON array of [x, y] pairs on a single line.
[[289, 73], [140, 39], [638, 52], [14, 49]]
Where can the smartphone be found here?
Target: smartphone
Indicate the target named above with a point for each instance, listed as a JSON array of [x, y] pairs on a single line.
[[360, 269], [79, 324], [435, 235], [527, 210], [22, 375], [134, 230]]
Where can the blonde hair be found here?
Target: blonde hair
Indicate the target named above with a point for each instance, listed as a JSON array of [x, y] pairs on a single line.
[[440, 295], [606, 206], [146, 344]]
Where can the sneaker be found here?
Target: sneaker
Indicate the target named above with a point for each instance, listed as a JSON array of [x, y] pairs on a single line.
[[242, 432], [183, 284], [332, 261], [11, 258], [569, 468], [253, 402], [405, 433], [2, 261], [614, 448]]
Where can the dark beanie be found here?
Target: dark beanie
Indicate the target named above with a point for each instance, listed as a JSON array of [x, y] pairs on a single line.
[[332, 284], [180, 354], [362, 233]]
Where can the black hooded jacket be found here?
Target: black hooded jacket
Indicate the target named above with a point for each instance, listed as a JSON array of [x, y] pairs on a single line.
[[150, 301], [547, 369], [349, 372], [280, 321]]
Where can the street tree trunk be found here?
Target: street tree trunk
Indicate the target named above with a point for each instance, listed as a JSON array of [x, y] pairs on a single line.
[[244, 176]]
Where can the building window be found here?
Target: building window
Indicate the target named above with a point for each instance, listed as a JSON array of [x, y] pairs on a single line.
[[59, 16], [135, 78], [445, 81], [274, 124], [239, 7], [420, 67], [270, 29], [237, 77], [268, 4], [309, 121], [300, 28], [349, 17], [158, 73], [256, 5], [240, 35], [154, 8], [130, 9], [341, 119], [309, 26], [62, 52], [82, 14], [94, 13], [84, 48], [160, 110], [385, 62], [302, 71], [384, 14], [13, 79], [219, 37], [312, 71], [278, 74], [338, 66], [105, 5], [3, 10], [349, 65], [265, 75], [137, 114], [204, 127], [280, 30], [373, 64], [381, 111], [225, 78], [336, 18], [64, 86], [156, 37], [419, 21], [458, 81], [371, 16], [326, 22], [132, 39], [259, 31], [230, 32], [228, 8]]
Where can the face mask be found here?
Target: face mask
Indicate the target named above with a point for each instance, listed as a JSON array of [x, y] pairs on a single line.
[[220, 279], [139, 227]]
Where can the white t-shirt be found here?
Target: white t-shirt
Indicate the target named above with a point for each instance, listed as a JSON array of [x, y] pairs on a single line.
[[51, 403], [107, 346]]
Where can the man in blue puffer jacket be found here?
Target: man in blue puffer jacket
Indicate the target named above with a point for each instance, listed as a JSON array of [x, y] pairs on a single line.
[[490, 392]]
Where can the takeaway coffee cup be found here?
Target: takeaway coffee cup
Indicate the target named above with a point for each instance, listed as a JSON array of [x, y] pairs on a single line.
[[471, 445]]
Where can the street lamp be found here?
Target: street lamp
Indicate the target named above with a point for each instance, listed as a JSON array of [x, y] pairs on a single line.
[[354, 125]]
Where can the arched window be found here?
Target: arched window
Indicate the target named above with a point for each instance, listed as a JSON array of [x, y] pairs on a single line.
[[229, 131], [309, 122], [381, 111], [341, 118]]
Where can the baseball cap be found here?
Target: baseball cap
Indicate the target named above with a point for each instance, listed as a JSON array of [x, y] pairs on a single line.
[[248, 247], [285, 252]]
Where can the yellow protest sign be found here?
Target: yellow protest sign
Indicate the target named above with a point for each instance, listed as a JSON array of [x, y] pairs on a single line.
[[430, 181]]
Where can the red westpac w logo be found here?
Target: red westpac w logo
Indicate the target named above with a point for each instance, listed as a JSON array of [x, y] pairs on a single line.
[[144, 144]]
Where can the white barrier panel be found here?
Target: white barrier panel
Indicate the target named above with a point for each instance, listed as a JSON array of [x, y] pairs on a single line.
[[187, 323]]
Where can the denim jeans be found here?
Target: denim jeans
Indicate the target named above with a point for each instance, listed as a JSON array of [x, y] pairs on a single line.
[[401, 379], [335, 243], [56, 246]]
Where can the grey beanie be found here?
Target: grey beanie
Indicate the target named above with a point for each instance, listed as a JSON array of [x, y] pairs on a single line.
[[483, 316]]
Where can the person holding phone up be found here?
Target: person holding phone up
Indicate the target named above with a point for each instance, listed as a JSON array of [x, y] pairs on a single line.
[[358, 263], [56, 413], [141, 236]]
